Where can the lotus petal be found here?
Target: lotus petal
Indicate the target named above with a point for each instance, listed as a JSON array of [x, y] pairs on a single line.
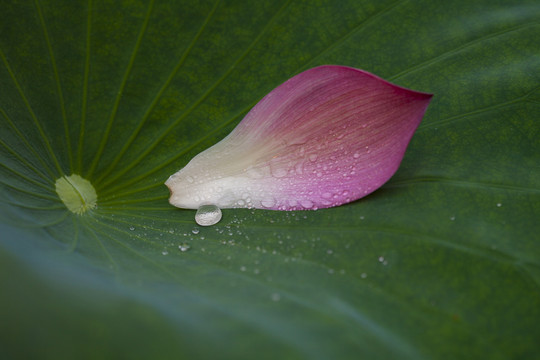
[[325, 137]]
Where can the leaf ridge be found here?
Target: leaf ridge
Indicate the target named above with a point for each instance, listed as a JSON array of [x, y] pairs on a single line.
[[458, 49], [25, 162], [85, 86], [452, 119], [462, 183], [41, 132], [93, 232], [58, 85], [340, 41], [26, 178], [158, 96], [116, 105], [27, 144]]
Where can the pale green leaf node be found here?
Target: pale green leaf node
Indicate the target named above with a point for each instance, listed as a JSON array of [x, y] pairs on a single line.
[[76, 193]]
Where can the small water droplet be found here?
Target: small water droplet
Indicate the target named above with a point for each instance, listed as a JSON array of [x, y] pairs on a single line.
[[165, 252], [184, 247], [363, 275], [299, 167], [275, 297], [268, 202], [279, 172], [132, 228], [243, 268], [313, 157], [207, 215], [452, 218], [254, 173], [189, 179], [308, 204], [195, 231], [499, 204], [381, 258]]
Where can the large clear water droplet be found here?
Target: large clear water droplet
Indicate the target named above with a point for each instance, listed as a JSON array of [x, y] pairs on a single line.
[[208, 215]]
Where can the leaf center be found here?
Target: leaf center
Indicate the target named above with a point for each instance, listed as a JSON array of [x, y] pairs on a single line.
[[76, 193]]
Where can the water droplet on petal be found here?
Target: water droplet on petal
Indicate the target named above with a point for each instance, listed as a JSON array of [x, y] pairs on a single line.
[[308, 204], [299, 167], [279, 172], [268, 202], [208, 215], [313, 157], [254, 173]]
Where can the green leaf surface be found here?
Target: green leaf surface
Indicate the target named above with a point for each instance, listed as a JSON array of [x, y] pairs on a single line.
[[442, 262]]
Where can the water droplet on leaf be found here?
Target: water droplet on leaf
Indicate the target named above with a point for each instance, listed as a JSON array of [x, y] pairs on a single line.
[[184, 247], [208, 215]]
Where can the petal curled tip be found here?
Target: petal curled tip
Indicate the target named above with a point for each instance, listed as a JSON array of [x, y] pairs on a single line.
[[328, 136]]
